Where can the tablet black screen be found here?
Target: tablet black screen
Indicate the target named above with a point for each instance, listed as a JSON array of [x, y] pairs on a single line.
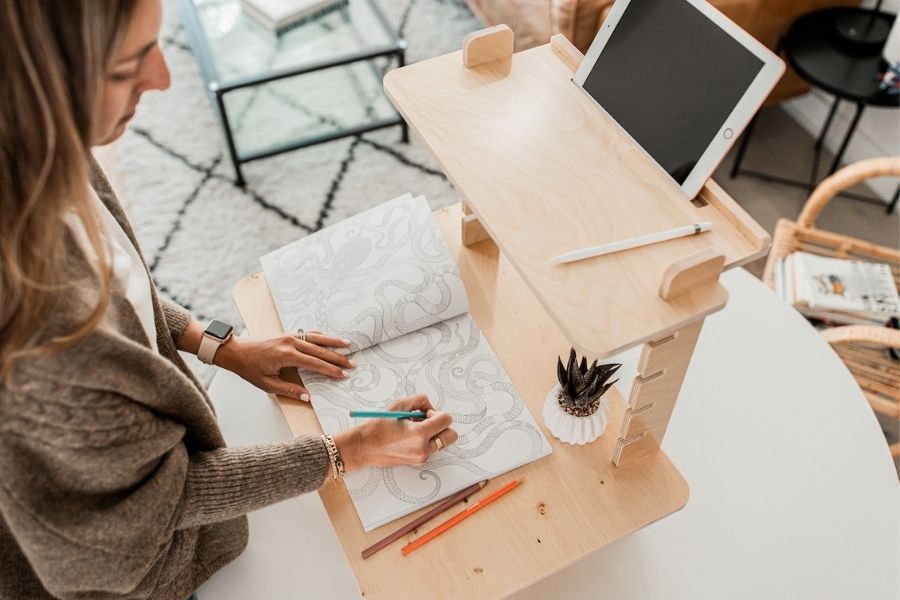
[[670, 77]]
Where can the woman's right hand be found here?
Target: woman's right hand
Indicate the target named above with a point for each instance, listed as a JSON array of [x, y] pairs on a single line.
[[390, 442]]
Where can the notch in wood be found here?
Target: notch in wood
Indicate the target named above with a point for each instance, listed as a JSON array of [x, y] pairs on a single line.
[[692, 272], [472, 230], [566, 51], [487, 45]]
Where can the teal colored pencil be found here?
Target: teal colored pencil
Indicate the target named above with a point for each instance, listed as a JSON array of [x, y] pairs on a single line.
[[387, 414]]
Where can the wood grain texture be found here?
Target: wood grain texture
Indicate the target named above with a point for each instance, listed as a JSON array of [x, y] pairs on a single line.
[[662, 368], [637, 447], [671, 352], [692, 273], [713, 194], [572, 502], [566, 51], [487, 45], [545, 171]]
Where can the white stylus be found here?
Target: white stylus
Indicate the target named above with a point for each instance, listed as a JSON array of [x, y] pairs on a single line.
[[641, 240]]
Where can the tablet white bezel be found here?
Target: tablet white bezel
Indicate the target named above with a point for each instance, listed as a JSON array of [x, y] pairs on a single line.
[[737, 120]]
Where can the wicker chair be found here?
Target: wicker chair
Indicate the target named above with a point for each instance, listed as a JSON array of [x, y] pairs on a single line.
[[862, 348]]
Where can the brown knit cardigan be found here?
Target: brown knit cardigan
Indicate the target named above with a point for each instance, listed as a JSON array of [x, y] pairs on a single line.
[[115, 481]]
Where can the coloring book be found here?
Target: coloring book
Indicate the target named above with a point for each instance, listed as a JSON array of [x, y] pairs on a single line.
[[385, 280]]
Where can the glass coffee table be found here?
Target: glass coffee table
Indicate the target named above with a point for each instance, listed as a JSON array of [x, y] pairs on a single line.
[[318, 82]]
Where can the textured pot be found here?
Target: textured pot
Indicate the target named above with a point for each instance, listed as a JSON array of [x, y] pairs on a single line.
[[571, 429]]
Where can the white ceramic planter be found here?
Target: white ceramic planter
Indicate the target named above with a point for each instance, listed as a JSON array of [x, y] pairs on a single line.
[[574, 430]]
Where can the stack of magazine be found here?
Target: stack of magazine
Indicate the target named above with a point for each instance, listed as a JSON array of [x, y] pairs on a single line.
[[280, 16], [840, 291]]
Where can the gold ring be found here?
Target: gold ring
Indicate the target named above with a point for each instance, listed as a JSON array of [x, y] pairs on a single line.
[[438, 442]]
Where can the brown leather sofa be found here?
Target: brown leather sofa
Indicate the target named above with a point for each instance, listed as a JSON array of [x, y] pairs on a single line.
[[534, 21]]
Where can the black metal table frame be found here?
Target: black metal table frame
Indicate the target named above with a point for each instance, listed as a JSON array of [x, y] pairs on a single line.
[[817, 153], [216, 90]]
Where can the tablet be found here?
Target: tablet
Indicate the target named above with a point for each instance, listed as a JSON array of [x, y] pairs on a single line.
[[681, 79]]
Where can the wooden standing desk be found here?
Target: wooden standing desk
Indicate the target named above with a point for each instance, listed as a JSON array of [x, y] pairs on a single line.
[[542, 171], [785, 519], [572, 502]]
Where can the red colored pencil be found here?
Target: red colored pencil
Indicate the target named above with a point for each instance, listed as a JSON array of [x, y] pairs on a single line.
[[460, 516]]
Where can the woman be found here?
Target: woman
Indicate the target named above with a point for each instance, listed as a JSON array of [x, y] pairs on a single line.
[[115, 481]]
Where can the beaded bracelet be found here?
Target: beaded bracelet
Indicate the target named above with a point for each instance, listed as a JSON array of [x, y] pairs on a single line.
[[334, 455]]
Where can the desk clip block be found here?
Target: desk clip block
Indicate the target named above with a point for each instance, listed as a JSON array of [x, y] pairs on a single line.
[[487, 45], [692, 272]]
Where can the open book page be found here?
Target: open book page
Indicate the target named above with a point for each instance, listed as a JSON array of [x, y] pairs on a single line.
[[378, 275], [455, 366]]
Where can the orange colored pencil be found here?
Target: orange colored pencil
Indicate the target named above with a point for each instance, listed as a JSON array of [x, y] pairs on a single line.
[[460, 516]]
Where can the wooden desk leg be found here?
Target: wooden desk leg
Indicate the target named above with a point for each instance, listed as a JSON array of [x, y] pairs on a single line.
[[472, 229], [661, 371]]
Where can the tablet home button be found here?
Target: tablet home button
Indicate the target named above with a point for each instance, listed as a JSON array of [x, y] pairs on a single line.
[[728, 133]]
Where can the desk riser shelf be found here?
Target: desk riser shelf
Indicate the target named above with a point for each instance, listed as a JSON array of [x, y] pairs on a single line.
[[572, 502], [473, 120]]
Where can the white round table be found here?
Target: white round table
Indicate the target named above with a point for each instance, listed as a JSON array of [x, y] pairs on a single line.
[[793, 492]]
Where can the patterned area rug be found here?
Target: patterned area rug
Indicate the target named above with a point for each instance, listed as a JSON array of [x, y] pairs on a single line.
[[201, 233]]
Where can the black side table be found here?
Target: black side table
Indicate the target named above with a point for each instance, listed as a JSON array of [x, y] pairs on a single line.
[[839, 51]]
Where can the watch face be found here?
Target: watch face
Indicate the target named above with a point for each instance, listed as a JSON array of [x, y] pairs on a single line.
[[218, 329]]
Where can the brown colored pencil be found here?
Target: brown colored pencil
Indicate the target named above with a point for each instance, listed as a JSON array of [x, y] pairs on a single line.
[[457, 497], [458, 517]]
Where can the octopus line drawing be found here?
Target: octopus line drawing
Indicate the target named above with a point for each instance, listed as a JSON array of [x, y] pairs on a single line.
[[375, 276], [386, 280], [453, 364]]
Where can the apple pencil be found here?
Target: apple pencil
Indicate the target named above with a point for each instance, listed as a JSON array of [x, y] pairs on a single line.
[[635, 242]]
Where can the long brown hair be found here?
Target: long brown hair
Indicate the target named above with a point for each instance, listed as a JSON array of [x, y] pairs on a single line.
[[54, 55]]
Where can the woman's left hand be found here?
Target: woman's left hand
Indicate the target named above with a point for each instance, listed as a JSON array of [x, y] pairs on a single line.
[[261, 361]]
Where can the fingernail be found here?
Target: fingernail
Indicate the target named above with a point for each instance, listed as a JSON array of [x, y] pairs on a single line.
[[343, 351], [304, 397], [346, 342], [351, 363], [345, 374]]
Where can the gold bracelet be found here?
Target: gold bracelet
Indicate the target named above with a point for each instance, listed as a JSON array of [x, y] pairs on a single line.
[[334, 456]]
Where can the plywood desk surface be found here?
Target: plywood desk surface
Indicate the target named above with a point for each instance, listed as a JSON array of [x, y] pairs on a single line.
[[572, 502], [546, 171]]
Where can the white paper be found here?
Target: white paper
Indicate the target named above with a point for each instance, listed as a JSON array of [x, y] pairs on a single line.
[[386, 280], [373, 277], [455, 366]]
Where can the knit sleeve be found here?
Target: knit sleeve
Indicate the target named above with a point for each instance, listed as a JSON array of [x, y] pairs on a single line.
[[228, 482], [177, 318], [95, 488]]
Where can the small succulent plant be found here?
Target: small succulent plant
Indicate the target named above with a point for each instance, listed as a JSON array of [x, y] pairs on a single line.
[[581, 387]]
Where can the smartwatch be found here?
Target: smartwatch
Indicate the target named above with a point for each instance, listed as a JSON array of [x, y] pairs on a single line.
[[215, 334]]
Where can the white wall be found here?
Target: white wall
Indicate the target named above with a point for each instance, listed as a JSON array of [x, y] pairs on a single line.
[[878, 133]]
